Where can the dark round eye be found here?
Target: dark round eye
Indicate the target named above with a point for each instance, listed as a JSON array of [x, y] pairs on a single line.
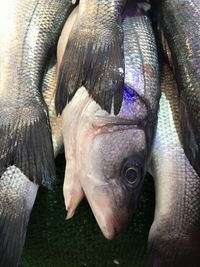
[[131, 175]]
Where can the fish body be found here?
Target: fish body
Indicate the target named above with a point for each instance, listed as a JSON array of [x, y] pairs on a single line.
[[49, 90], [50, 81], [17, 196], [63, 39], [179, 21], [174, 238], [94, 55], [32, 30], [72, 189], [29, 31], [111, 153]]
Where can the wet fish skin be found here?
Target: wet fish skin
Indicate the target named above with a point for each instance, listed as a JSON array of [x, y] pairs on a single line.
[[72, 189], [174, 238], [26, 151], [64, 36], [49, 90], [112, 152], [17, 196], [94, 55], [179, 20], [33, 28]]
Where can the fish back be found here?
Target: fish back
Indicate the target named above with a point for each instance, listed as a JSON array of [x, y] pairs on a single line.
[[180, 23], [174, 236]]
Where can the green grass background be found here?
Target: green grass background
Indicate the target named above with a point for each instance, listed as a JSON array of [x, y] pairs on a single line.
[[54, 242]]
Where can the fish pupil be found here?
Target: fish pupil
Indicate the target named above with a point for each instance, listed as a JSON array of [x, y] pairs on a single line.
[[131, 176]]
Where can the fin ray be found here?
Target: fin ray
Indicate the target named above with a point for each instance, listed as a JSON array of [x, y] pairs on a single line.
[[25, 141], [95, 63]]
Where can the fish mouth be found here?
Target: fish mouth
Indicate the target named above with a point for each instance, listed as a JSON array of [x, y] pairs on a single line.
[[110, 216], [109, 221]]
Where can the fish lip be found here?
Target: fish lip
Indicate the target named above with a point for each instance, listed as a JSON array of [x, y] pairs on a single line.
[[113, 224], [111, 218], [109, 233], [108, 226]]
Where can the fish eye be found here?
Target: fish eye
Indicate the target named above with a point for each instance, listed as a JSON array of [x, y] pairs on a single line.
[[132, 173]]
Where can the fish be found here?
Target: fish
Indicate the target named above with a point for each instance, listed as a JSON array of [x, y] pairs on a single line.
[[63, 39], [50, 81], [72, 189], [17, 196], [94, 56], [26, 150], [180, 26], [109, 154], [24, 51], [48, 91], [174, 237]]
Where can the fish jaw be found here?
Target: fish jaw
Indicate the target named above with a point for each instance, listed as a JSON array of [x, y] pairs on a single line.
[[101, 163], [110, 219], [111, 215]]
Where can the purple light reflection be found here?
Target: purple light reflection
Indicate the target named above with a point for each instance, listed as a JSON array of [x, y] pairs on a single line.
[[129, 94]]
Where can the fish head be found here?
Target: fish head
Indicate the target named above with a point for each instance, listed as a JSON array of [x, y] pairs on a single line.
[[112, 160]]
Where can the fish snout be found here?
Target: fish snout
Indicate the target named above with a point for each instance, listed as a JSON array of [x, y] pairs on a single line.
[[112, 208]]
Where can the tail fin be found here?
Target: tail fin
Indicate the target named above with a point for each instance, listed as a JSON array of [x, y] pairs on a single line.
[[17, 196], [95, 62], [25, 141]]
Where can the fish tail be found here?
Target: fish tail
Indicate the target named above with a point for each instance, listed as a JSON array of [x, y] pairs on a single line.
[[17, 196], [25, 141], [97, 64]]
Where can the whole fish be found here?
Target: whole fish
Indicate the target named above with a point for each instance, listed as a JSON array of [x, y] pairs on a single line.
[[94, 55], [110, 154], [179, 20], [29, 31], [174, 238]]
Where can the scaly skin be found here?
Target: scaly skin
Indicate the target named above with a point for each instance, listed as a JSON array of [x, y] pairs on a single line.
[[174, 238], [94, 55], [31, 32], [110, 154], [179, 20]]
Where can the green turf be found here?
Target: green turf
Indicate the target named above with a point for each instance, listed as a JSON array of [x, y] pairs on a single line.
[[53, 241]]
